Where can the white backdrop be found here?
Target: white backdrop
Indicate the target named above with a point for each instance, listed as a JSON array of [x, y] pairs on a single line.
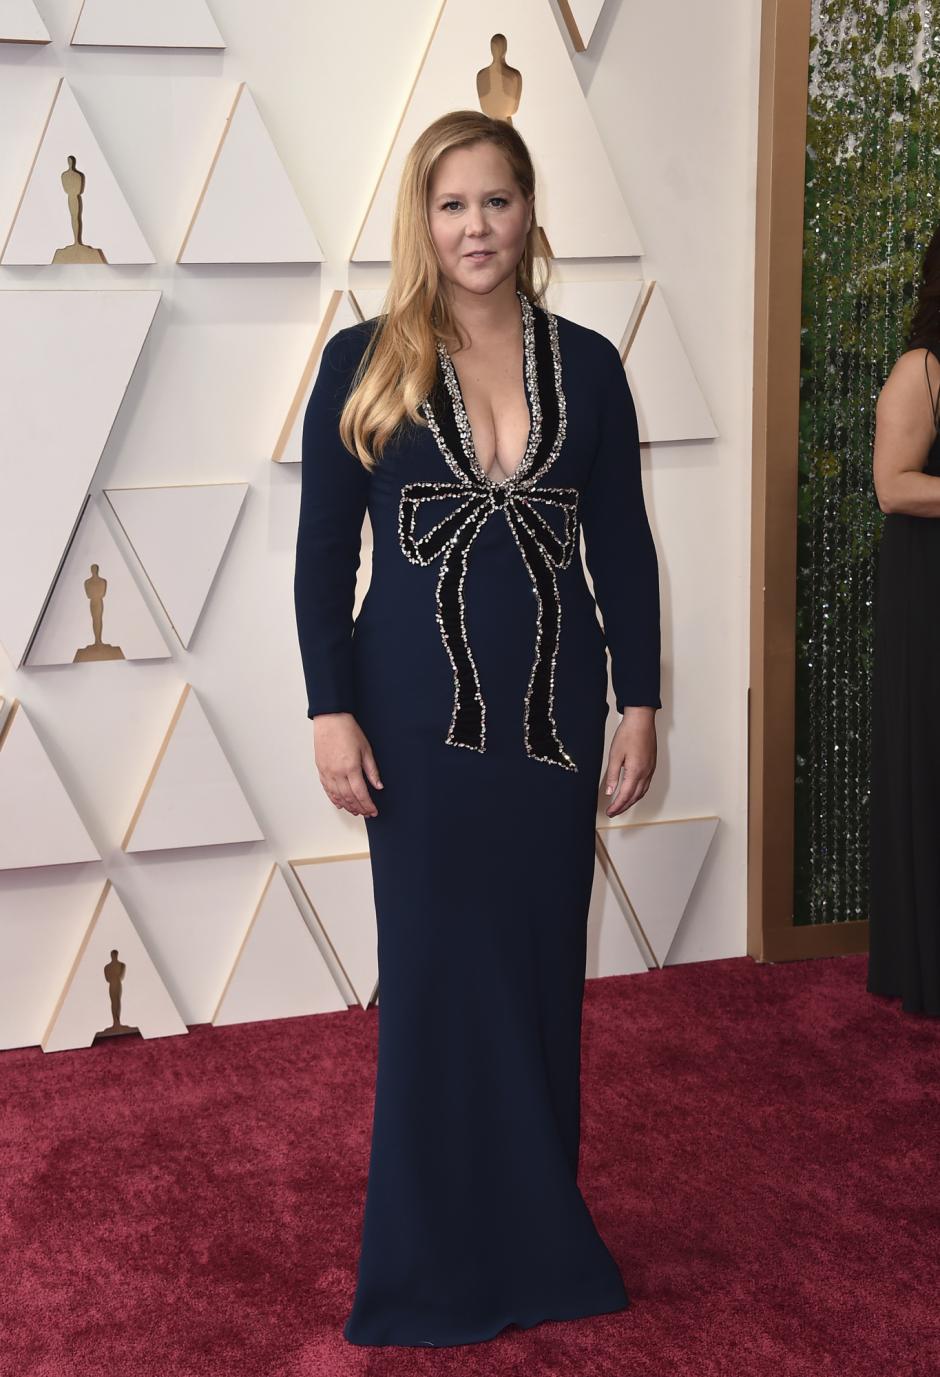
[[673, 92]]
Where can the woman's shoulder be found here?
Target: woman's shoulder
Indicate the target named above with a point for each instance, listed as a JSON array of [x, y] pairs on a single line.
[[346, 346], [911, 370]]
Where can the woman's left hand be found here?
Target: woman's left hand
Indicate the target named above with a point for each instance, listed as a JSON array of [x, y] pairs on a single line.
[[634, 750]]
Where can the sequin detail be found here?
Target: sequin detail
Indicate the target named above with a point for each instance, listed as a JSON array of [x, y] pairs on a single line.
[[479, 497]]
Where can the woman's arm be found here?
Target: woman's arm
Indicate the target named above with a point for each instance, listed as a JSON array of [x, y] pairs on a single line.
[[904, 432], [619, 548], [333, 495]]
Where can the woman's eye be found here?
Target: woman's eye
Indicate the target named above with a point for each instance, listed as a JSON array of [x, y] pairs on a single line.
[[448, 204]]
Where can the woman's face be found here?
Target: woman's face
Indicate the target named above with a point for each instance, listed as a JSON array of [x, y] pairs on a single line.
[[474, 204]]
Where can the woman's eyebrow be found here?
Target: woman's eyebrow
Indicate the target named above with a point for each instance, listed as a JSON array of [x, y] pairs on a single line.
[[504, 190]]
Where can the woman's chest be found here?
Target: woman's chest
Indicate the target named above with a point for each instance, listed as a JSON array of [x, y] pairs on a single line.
[[492, 388]]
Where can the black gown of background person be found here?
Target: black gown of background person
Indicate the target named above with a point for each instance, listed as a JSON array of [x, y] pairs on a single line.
[[477, 669], [904, 911]]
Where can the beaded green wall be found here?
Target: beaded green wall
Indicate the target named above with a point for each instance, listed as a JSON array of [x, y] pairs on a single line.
[[872, 183]]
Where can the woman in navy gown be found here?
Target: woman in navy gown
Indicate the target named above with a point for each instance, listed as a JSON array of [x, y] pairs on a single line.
[[463, 715]]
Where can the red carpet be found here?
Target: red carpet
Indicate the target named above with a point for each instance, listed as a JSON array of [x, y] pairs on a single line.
[[760, 1151]]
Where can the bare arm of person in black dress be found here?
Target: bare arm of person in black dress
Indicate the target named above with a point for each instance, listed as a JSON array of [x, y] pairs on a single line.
[[905, 429], [621, 559], [333, 496]]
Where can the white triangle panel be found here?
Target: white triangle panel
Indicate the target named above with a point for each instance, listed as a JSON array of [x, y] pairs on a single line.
[[669, 401], [43, 917], [571, 165], [248, 211], [580, 18], [43, 226], [280, 971], [20, 23], [180, 534], [338, 316], [658, 863], [192, 797], [607, 306], [612, 948], [65, 361], [99, 994], [94, 582], [146, 24], [39, 824], [341, 895]]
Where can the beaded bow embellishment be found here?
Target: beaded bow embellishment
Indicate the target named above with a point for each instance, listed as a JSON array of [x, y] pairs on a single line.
[[518, 499]]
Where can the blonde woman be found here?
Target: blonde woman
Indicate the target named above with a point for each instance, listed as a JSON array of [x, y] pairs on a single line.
[[463, 716]]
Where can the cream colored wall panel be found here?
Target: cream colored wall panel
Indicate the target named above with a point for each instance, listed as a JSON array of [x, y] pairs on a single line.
[[113, 987], [248, 211], [580, 18], [340, 892], [20, 23], [96, 611], [669, 401], [612, 948], [180, 535], [550, 111], [607, 306], [192, 797], [146, 24], [279, 972], [65, 362], [192, 910], [39, 824], [43, 917], [72, 209], [368, 301], [339, 314], [657, 863]]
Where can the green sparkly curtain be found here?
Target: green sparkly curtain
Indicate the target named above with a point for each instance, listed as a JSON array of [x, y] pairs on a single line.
[[872, 184]]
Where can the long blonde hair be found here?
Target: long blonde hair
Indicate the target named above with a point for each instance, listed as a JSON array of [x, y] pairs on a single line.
[[399, 366]]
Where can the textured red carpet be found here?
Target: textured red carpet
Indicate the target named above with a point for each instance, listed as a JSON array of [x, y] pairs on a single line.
[[760, 1151]]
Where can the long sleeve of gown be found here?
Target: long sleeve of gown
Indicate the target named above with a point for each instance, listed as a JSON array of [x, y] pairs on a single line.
[[333, 497], [619, 548]]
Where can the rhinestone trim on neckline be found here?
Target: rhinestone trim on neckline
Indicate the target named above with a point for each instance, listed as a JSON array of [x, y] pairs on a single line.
[[530, 386], [542, 549]]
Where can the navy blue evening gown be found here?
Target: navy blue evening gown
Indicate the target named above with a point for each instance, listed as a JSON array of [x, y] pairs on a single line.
[[477, 668]]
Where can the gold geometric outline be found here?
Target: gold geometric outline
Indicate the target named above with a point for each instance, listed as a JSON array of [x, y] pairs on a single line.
[[76, 963], [316, 350], [243, 85], [35, 42], [63, 994], [609, 869], [317, 860], [244, 942], [42, 136], [233, 483], [19, 204], [136, 47], [648, 822], [154, 769]]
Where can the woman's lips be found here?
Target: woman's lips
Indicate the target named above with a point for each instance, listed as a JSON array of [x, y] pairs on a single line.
[[484, 253]]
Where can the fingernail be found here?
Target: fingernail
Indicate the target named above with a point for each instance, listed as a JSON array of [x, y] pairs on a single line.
[[609, 789]]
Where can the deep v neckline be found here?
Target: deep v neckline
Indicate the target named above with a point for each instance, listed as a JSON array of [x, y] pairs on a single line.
[[529, 387]]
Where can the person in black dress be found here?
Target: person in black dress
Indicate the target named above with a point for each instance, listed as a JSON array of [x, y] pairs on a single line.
[[463, 716], [904, 911]]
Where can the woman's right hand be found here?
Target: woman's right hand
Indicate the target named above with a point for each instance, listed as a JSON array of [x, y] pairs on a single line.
[[342, 753]]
